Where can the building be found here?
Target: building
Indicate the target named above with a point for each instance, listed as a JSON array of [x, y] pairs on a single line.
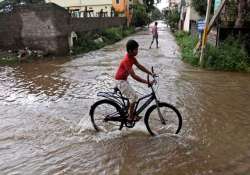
[[125, 7], [191, 18], [86, 8]]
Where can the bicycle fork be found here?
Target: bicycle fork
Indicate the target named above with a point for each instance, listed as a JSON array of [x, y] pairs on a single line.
[[159, 113]]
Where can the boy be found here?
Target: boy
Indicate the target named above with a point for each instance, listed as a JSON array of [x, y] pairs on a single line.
[[155, 35], [124, 70]]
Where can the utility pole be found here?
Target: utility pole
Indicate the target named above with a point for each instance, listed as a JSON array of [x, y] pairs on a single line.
[[211, 23], [205, 33]]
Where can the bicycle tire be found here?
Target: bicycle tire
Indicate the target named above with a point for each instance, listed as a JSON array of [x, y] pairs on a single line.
[[99, 122], [172, 118]]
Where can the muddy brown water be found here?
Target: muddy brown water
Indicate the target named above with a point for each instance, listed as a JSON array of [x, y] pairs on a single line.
[[45, 126]]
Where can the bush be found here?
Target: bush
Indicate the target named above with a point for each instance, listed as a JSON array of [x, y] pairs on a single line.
[[229, 56], [187, 43], [112, 34], [200, 6], [172, 17], [156, 14], [86, 41], [140, 16]]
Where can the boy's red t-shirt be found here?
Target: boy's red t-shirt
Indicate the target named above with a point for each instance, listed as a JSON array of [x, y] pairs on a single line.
[[124, 67]]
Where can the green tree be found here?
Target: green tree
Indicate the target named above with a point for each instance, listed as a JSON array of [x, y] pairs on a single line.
[[140, 16], [150, 4], [200, 6], [156, 14], [172, 17]]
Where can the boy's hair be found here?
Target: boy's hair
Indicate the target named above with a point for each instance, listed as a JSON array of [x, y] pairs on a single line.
[[131, 45], [156, 23]]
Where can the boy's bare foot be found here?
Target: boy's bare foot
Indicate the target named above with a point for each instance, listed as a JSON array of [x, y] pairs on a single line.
[[130, 122], [136, 118]]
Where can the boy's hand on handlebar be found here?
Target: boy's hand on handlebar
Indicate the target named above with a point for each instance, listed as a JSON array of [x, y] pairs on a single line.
[[151, 82], [154, 75]]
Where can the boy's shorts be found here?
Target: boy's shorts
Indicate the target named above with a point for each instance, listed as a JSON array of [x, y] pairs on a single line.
[[127, 90]]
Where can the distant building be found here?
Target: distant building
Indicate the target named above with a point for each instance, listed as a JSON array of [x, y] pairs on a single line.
[[86, 8], [125, 7], [191, 17], [188, 15]]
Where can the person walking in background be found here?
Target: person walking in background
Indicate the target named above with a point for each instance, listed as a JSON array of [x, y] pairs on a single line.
[[155, 35]]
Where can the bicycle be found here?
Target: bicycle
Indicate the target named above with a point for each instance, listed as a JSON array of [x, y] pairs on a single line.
[[159, 118]]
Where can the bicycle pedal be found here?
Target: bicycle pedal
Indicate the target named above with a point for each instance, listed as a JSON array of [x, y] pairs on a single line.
[[130, 125]]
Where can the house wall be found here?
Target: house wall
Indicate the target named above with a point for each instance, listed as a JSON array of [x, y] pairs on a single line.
[[88, 24], [123, 8], [65, 3], [10, 31], [119, 7], [46, 27], [95, 5], [191, 15], [37, 27]]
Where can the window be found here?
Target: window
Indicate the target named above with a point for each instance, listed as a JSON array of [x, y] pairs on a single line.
[[117, 2]]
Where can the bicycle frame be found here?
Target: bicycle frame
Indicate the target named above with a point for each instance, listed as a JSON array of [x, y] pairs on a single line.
[[139, 110], [124, 102], [152, 97]]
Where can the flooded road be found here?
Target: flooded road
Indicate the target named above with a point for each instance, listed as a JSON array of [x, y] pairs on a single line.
[[45, 126]]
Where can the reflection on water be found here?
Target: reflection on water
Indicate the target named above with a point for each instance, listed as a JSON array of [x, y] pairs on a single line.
[[45, 126]]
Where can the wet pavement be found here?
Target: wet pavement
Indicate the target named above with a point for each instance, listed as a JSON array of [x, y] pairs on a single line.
[[45, 126]]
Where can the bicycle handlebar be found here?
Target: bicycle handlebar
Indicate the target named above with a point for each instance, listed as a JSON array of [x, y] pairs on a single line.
[[153, 76]]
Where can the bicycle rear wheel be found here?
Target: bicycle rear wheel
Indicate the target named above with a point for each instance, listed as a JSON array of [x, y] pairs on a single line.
[[103, 113], [170, 122]]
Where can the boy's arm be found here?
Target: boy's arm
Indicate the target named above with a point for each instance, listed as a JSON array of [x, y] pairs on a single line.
[[142, 68], [136, 77]]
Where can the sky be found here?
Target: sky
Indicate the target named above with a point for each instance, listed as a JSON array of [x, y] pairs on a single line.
[[162, 4]]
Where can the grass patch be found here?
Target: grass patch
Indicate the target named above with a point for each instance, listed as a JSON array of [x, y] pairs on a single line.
[[229, 55], [89, 41], [8, 58], [187, 44]]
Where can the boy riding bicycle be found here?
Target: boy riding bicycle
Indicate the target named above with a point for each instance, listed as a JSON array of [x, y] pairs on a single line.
[[124, 70]]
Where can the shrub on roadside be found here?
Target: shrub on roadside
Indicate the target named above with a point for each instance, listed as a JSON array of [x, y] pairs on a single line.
[[8, 59], [86, 41], [140, 16], [112, 34], [229, 56], [172, 18], [187, 43]]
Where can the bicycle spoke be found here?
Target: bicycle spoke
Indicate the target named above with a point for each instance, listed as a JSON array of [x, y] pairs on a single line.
[[102, 117], [169, 122]]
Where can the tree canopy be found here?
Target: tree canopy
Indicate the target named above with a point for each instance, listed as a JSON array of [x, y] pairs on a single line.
[[150, 4], [200, 6], [140, 16]]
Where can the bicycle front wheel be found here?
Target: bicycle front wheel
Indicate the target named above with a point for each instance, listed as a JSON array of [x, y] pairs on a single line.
[[105, 115], [165, 120]]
